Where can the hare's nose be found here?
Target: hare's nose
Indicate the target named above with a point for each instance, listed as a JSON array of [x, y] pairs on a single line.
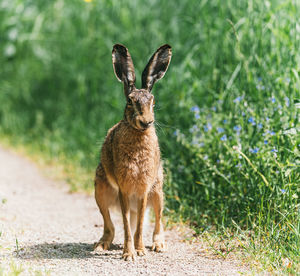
[[145, 124]]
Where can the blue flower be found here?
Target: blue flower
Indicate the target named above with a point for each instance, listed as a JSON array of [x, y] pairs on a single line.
[[273, 100], [259, 126], [224, 121], [197, 116], [255, 150], [266, 142], [252, 121], [196, 142], [237, 128], [176, 132], [259, 79], [220, 130], [214, 108], [207, 127], [238, 99], [287, 101], [267, 119], [194, 128], [260, 87], [283, 190], [224, 137], [195, 109], [271, 132], [274, 150]]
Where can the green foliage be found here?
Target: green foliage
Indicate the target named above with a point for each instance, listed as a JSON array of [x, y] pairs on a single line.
[[227, 109]]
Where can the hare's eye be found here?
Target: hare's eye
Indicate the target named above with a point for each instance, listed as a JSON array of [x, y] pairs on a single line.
[[153, 103], [129, 101]]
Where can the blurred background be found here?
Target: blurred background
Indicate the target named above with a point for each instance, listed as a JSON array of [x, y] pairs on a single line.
[[226, 110]]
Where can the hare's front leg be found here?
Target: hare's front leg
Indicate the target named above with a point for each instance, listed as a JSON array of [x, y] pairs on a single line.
[[158, 234], [138, 236], [128, 252]]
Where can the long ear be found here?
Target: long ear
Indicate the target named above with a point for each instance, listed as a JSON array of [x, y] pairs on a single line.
[[156, 67], [123, 67]]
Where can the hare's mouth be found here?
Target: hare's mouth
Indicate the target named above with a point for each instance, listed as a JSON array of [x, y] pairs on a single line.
[[144, 125], [141, 128], [139, 124]]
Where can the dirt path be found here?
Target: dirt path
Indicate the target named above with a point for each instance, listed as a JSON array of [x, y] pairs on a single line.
[[45, 229]]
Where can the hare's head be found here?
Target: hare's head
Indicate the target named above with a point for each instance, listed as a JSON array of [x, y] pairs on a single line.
[[139, 112]]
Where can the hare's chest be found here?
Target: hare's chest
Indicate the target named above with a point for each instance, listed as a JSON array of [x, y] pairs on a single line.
[[136, 169]]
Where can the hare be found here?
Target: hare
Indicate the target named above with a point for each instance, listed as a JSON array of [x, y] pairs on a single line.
[[130, 173]]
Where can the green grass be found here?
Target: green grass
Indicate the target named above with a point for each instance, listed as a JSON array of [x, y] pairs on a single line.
[[14, 270], [227, 109]]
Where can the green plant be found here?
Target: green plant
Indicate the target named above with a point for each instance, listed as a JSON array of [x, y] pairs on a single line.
[[227, 112]]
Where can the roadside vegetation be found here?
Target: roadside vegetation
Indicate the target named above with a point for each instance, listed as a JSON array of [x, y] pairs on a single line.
[[227, 110]]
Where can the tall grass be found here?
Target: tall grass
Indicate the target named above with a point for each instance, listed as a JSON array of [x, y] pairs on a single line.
[[227, 109]]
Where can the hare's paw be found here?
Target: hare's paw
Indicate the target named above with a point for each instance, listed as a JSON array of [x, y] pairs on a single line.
[[128, 255], [159, 247], [158, 244], [101, 246], [141, 251], [139, 245]]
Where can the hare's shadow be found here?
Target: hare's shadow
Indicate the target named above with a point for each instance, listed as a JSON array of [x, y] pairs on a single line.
[[66, 251]]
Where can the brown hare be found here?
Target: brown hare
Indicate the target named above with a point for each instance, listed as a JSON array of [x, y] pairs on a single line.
[[130, 173]]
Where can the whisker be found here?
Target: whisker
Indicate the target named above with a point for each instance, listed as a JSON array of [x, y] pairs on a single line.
[[164, 125], [160, 129], [158, 108]]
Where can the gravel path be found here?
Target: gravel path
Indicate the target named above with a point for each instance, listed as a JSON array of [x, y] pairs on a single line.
[[45, 229]]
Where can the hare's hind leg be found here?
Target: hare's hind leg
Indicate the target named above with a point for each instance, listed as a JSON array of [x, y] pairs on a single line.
[[105, 196], [133, 220]]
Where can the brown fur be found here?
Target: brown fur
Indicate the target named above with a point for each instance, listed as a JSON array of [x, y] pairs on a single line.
[[130, 173]]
